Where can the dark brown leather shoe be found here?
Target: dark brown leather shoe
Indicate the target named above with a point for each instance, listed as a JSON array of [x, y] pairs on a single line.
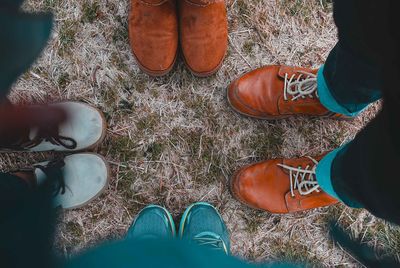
[[203, 35], [280, 186], [153, 34], [275, 92]]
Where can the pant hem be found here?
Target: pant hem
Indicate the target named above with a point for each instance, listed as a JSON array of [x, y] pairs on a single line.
[[326, 98], [324, 178]]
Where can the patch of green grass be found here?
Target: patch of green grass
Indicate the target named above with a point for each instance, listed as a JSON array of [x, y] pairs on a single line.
[[248, 46], [243, 7], [110, 97], [51, 4], [292, 252], [203, 153], [297, 8], [121, 32], [155, 150], [126, 106], [74, 229], [387, 238], [265, 142], [118, 62], [327, 4], [125, 179], [303, 8], [148, 123], [63, 80], [139, 84], [90, 11], [253, 220], [123, 147], [67, 34], [202, 108]]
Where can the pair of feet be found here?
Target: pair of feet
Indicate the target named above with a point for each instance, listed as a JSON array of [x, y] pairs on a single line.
[[75, 179], [156, 27], [200, 224], [279, 185]]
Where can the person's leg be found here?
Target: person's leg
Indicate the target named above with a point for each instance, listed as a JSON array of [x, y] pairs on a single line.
[[347, 83], [26, 224], [12, 189], [324, 177], [363, 173]]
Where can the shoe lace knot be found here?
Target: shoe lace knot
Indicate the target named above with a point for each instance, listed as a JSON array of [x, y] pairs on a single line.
[[300, 85], [211, 240], [302, 179], [49, 134], [55, 177]]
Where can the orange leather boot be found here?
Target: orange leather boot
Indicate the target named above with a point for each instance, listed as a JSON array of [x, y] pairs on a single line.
[[203, 35], [153, 34], [280, 186], [275, 92]]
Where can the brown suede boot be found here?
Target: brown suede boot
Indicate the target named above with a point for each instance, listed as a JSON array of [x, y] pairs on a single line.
[[203, 35], [280, 186], [275, 92], [153, 34]]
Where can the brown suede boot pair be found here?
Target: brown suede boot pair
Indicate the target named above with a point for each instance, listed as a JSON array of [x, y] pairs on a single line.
[[154, 33]]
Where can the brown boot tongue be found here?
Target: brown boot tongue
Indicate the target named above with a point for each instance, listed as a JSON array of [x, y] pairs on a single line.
[[154, 2]]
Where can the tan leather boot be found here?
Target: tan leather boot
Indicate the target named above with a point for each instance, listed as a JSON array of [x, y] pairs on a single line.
[[203, 35], [280, 186], [153, 34], [274, 92]]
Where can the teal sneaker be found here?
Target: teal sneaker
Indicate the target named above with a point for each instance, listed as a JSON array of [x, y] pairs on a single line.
[[153, 222], [202, 224]]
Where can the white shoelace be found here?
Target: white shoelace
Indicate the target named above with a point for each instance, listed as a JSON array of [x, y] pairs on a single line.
[[305, 85], [302, 179]]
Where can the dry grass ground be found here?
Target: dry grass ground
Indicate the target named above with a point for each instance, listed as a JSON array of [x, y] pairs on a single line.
[[174, 140]]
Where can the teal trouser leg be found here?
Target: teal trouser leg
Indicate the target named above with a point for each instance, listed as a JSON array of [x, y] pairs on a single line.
[[324, 178], [329, 101]]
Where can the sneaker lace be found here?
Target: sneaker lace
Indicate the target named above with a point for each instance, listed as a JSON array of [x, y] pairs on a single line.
[[211, 240], [302, 179], [50, 134], [55, 176], [305, 85]]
